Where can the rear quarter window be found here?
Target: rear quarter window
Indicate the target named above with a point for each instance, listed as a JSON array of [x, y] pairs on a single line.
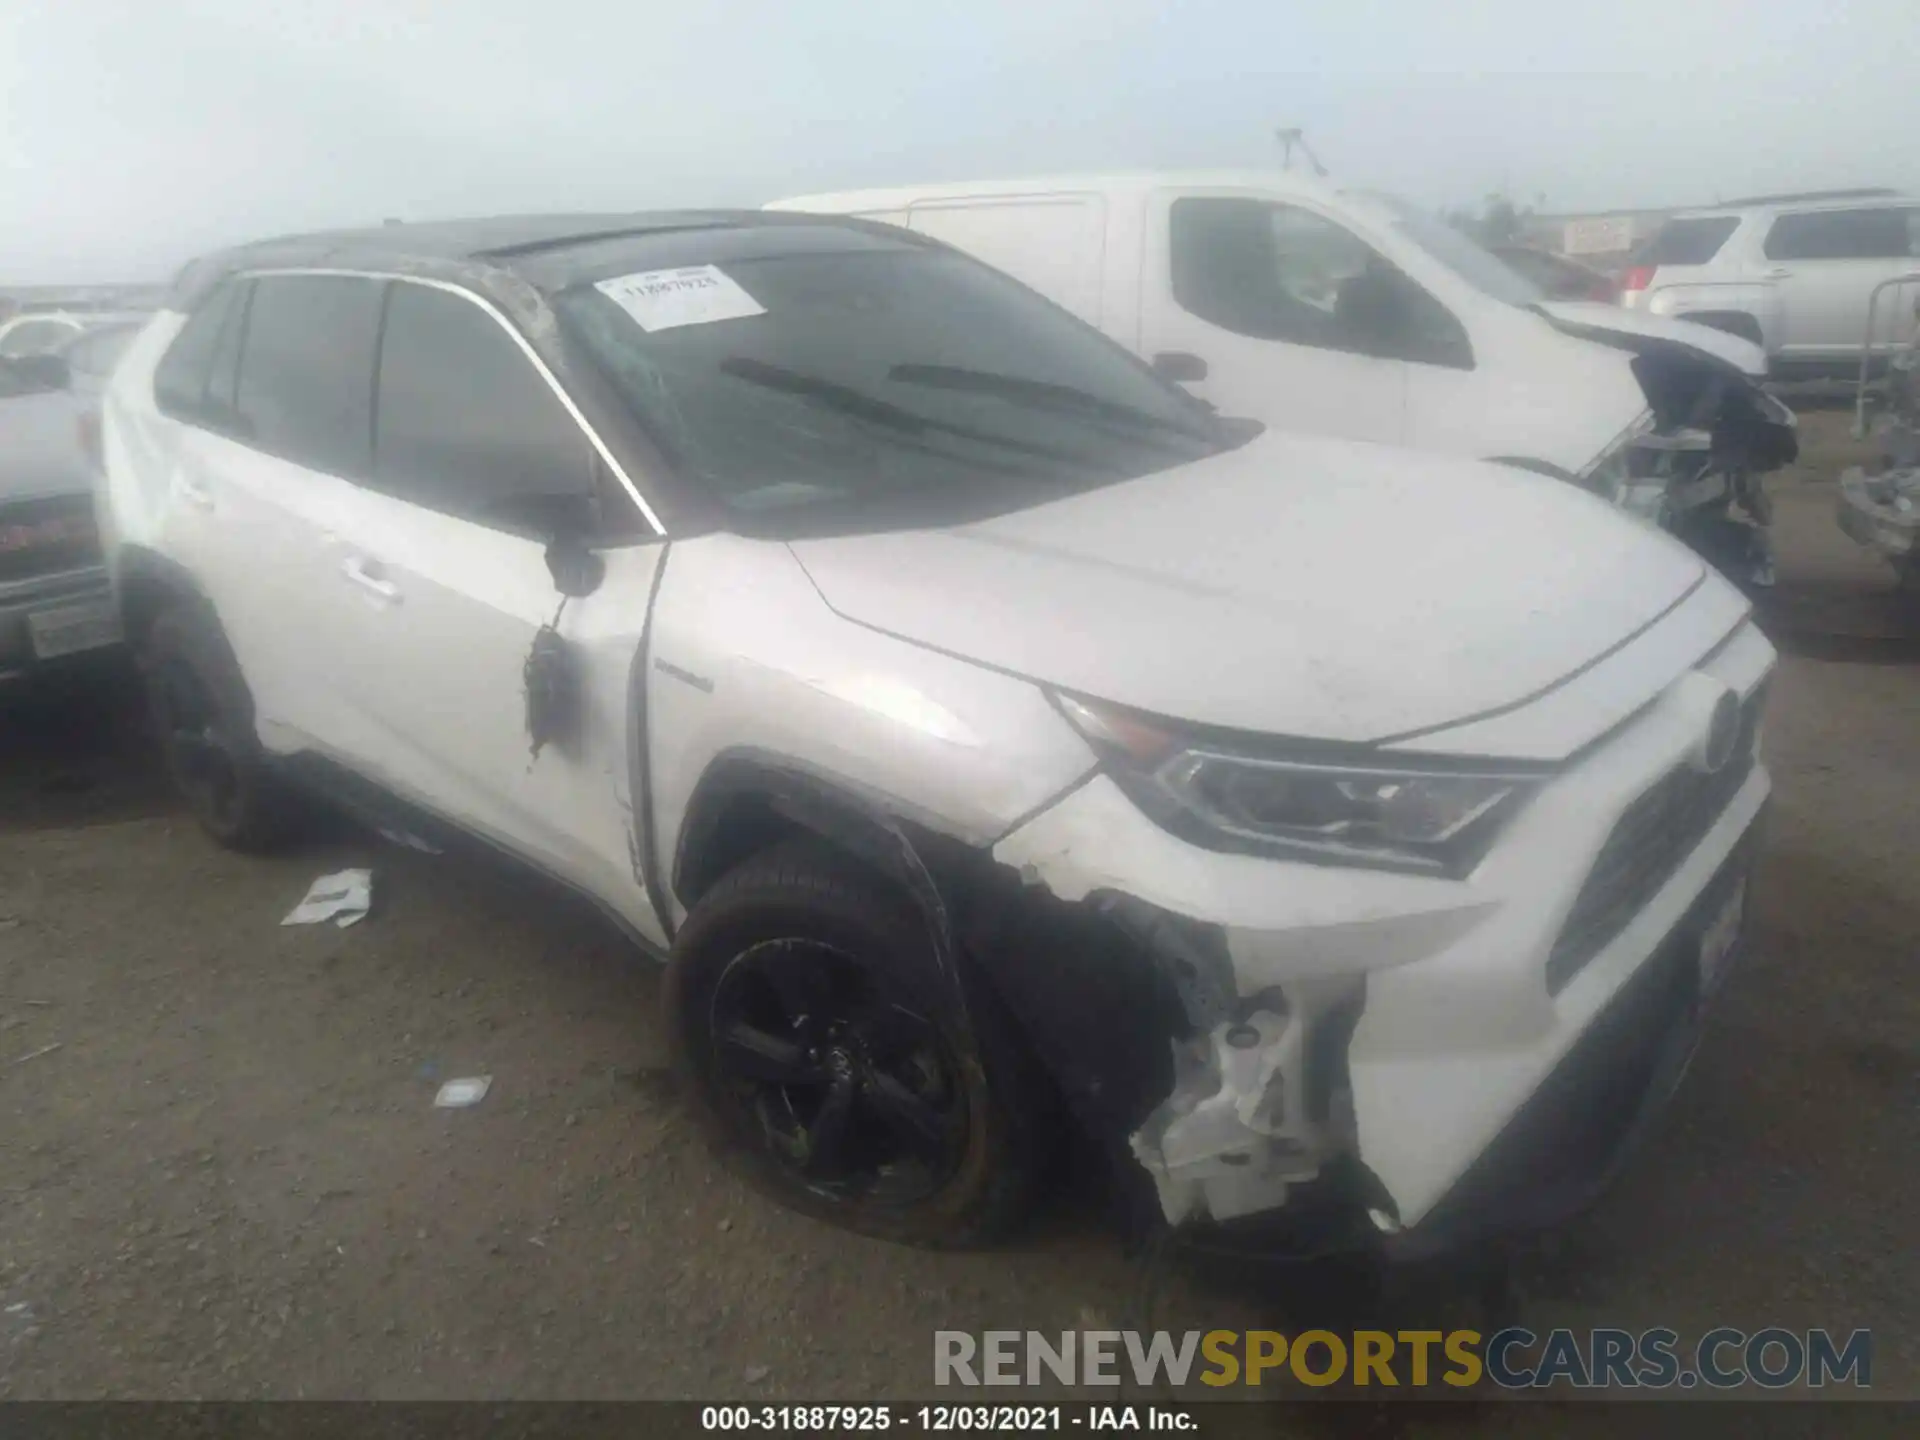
[[180, 379], [1871, 234], [1688, 242]]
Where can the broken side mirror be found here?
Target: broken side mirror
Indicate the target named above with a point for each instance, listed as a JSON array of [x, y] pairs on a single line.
[[576, 570]]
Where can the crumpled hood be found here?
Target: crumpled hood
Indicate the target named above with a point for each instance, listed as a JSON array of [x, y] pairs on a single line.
[[1295, 586], [1647, 334]]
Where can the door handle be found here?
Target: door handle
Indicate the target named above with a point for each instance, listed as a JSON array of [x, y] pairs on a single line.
[[1779, 272], [366, 574], [193, 492]]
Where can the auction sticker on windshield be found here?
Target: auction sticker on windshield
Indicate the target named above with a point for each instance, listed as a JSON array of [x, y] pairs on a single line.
[[690, 295]]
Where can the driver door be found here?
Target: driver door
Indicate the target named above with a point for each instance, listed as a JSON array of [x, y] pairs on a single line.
[[1252, 287], [444, 568]]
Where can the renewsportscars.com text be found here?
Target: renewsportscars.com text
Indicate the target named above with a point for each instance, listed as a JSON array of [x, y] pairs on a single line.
[[1515, 1358]]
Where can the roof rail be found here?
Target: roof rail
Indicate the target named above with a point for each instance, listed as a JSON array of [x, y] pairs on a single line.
[[1877, 192]]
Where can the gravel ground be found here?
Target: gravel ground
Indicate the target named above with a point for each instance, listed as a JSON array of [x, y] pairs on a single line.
[[227, 1180]]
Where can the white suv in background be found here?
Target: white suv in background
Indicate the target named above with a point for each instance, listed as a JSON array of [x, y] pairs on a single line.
[[1792, 272], [982, 730]]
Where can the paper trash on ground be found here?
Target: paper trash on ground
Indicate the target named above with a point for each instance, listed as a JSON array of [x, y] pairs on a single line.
[[458, 1094], [344, 898], [691, 295]]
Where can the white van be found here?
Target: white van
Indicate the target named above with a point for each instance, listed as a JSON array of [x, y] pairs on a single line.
[[1322, 310]]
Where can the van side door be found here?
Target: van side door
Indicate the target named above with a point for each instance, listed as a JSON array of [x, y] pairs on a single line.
[[1283, 314], [1055, 244]]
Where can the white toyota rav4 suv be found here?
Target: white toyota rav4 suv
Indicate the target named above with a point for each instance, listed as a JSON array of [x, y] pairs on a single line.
[[989, 736]]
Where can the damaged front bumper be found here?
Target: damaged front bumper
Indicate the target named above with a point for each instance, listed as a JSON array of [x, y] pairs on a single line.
[[1431, 1057], [1882, 512]]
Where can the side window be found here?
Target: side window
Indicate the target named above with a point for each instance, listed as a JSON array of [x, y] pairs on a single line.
[[1277, 272], [306, 369], [223, 376], [180, 379], [1880, 234], [466, 425]]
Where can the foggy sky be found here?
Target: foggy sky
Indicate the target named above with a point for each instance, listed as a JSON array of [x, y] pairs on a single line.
[[134, 133]]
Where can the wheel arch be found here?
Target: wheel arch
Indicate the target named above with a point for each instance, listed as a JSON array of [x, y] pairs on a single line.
[[748, 800], [146, 584]]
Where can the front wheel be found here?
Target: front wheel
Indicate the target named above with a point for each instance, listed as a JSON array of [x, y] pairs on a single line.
[[832, 1062]]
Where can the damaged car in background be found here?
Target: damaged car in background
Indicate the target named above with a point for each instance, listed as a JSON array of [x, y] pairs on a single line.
[[1330, 311], [990, 737], [1879, 502]]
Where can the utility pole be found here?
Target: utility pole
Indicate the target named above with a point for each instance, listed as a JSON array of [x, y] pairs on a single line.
[[1289, 139]]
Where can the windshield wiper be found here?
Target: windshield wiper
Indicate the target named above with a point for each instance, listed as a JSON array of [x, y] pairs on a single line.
[[862, 406], [1039, 395]]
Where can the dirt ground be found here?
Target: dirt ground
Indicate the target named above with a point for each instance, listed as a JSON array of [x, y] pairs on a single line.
[[221, 1174]]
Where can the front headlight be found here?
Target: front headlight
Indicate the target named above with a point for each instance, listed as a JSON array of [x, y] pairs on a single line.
[[1396, 814]]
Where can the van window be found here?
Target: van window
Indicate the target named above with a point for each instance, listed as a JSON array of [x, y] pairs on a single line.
[[1692, 241], [1054, 244], [1278, 272], [466, 425], [1879, 234], [306, 373], [180, 379]]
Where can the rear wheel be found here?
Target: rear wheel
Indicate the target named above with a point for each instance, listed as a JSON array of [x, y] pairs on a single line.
[[832, 1063], [204, 719]]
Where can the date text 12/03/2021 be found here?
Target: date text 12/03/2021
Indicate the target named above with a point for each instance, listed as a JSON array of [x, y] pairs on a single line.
[[947, 1419]]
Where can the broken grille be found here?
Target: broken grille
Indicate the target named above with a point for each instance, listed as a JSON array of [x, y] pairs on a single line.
[[1654, 834]]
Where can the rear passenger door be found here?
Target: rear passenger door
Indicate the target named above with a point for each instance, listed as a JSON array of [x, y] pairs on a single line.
[[1825, 264], [280, 435], [476, 461]]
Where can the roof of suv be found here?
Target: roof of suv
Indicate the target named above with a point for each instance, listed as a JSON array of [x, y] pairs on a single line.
[[548, 252], [1810, 200]]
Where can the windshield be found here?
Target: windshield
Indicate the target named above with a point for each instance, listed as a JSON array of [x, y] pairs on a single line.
[[883, 388], [1487, 273]]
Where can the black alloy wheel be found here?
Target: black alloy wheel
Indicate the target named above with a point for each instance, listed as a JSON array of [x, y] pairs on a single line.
[[839, 1064], [843, 1083]]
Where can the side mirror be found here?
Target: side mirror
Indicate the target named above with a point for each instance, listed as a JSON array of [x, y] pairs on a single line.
[[577, 572]]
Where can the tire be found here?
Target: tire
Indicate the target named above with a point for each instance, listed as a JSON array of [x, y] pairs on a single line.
[[800, 920], [203, 717]]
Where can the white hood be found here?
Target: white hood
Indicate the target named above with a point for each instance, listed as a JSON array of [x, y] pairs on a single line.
[[1636, 330], [1297, 587]]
